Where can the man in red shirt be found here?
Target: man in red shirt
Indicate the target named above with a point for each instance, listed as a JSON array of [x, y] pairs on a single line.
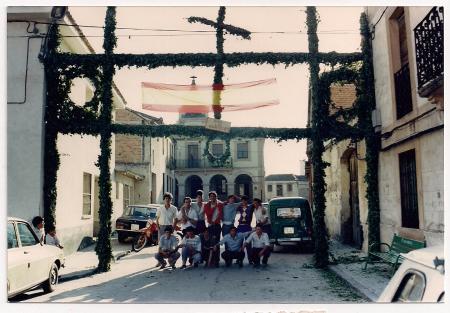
[[213, 212]]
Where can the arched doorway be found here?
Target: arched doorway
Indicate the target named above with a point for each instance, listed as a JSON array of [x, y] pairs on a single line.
[[243, 185], [193, 183], [218, 183]]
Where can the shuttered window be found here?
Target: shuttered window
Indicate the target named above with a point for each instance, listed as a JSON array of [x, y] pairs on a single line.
[[408, 189]]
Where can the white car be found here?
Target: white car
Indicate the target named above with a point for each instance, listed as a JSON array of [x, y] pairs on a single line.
[[30, 263], [420, 278]]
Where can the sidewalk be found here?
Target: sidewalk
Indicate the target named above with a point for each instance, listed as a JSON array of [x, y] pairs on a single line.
[[370, 282], [83, 263]]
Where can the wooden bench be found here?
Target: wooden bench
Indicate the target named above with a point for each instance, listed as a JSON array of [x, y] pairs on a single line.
[[392, 255]]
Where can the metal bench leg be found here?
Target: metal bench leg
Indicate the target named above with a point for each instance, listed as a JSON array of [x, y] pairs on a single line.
[[367, 261]]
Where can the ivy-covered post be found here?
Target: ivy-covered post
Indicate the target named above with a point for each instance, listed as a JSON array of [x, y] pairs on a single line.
[[372, 139], [103, 247], [51, 156], [318, 118], [220, 59]]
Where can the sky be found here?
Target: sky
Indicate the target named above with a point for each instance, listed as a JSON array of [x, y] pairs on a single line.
[[338, 30]]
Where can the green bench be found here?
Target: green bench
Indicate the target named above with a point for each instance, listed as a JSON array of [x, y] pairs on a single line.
[[392, 255]]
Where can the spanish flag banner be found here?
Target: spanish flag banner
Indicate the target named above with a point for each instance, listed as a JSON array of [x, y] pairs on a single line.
[[208, 98]]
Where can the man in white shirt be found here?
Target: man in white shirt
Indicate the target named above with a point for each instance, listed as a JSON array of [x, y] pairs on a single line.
[[187, 216], [192, 248], [198, 205], [51, 238], [168, 246], [262, 216], [165, 216], [260, 246]]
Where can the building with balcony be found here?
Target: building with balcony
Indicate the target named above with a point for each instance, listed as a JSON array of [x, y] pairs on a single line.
[[199, 164], [408, 71]]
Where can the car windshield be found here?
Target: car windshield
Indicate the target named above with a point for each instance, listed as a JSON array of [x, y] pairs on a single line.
[[139, 211], [289, 212]]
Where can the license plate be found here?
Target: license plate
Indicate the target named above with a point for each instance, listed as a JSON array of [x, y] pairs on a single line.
[[119, 227], [289, 230], [134, 226]]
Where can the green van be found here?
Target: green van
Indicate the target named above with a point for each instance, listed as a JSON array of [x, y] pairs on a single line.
[[292, 222]]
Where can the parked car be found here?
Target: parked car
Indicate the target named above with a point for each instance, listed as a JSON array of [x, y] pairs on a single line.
[[292, 222], [135, 217], [30, 263], [420, 278]]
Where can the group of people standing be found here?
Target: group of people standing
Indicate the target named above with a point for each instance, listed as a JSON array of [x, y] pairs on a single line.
[[208, 225]]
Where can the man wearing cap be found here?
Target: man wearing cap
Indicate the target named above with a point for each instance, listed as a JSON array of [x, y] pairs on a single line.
[[167, 248], [192, 248], [165, 216], [260, 246], [234, 248], [213, 212]]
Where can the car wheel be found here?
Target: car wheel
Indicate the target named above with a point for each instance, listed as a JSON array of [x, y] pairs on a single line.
[[50, 284], [139, 243], [121, 237]]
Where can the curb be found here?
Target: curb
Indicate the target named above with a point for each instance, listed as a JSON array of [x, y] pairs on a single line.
[[89, 272], [342, 273]]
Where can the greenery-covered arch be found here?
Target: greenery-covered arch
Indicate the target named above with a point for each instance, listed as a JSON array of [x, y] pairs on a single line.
[[95, 118]]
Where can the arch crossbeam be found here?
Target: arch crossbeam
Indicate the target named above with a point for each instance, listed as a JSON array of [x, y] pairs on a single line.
[[152, 61]]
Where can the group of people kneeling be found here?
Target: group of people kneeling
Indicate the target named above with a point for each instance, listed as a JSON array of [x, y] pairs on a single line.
[[202, 243]]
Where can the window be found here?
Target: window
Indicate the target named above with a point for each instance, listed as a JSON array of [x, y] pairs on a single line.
[[27, 237], [126, 196], [117, 189], [164, 183], [217, 149], [269, 188], [242, 150], [12, 237], [408, 189], [279, 190], [411, 288], [400, 62], [87, 193], [289, 187]]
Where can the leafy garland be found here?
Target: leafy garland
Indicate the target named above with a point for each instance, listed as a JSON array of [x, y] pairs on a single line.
[[63, 116], [103, 247], [366, 94], [217, 161], [319, 114]]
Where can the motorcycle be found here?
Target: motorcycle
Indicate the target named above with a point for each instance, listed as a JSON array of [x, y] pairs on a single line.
[[147, 235]]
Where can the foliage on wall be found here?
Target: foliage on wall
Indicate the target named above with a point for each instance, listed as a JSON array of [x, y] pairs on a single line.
[[217, 161]]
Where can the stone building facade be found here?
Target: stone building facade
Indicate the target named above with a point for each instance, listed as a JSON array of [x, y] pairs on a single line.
[[409, 97], [241, 174]]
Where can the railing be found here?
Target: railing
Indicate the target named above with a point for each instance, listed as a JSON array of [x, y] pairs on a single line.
[[403, 91], [429, 40], [202, 164]]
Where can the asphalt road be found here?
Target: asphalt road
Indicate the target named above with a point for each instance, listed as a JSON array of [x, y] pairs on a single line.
[[289, 278]]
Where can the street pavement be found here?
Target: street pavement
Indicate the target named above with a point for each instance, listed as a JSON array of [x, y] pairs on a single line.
[[289, 278]]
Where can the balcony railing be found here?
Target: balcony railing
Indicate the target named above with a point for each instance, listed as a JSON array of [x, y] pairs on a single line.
[[429, 39], [403, 91], [202, 164]]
